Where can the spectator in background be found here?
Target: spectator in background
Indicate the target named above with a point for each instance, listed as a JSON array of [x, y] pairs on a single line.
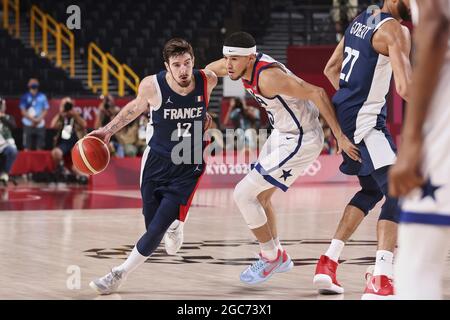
[[34, 107], [8, 149], [128, 139], [132, 138], [107, 110], [142, 134], [244, 117], [343, 12], [71, 127]]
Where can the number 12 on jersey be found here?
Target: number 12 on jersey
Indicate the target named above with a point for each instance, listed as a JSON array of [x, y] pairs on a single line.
[[184, 126], [351, 55]]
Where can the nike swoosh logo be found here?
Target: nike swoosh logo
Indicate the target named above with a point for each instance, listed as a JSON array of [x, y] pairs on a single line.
[[289, 138], [373, 287], [266, 273]]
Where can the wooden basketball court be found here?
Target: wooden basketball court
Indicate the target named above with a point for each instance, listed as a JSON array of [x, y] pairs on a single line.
[[55, 240]]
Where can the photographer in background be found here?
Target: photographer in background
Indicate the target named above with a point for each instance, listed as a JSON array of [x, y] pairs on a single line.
[[8, 149], [71, 127], [107, 110]]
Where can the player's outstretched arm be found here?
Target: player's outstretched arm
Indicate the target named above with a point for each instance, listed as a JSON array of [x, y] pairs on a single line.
[[274, 81], [211, 77], [212, 80], [333, 68], [219, 67], [147, 95], [431, 36]]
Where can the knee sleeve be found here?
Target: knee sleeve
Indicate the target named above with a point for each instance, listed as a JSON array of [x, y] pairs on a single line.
[[390, 210], [246, 197], [368, 196]]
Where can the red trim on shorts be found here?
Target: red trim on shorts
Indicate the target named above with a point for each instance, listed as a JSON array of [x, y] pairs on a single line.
[[185, 208]]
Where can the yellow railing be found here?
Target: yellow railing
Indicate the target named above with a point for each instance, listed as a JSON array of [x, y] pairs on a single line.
[[117, 73], [60, 35], [68, 38], [54, 30], [38, 19], [132, 83], [14, 5], [95, 55], [109, 65]]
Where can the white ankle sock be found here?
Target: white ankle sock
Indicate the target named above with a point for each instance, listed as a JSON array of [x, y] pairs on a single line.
[[277, 243], [384, 263], [335, 249], [269, 250], [134, 260]]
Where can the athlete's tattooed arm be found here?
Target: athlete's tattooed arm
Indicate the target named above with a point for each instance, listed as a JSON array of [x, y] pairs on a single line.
[[147, 95]]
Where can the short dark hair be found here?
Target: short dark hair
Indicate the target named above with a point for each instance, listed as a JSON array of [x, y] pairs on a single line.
[[240, 40], [176, 47]]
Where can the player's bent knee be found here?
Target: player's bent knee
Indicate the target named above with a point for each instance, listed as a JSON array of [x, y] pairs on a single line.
[[390, 210], [365, 200], [245, 195]]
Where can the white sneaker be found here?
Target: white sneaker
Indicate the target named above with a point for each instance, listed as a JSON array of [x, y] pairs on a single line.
[[109, 283], [4, 177], [173, 239]]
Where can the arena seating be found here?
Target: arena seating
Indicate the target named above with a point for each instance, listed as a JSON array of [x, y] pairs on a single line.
[[23, 63], [138, 41]]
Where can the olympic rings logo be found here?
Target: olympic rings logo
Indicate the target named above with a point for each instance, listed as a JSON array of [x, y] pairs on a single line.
[[313, 169]]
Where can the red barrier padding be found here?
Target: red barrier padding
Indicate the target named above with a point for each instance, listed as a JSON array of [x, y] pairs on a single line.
[[123, 173], [32, 162]]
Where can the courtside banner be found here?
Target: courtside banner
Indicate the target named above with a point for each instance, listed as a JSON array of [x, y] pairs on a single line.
[[124, 172]]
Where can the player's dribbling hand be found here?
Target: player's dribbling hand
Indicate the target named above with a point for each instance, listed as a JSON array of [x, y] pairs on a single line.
[[344, 144], [405, 175], [101, 134]]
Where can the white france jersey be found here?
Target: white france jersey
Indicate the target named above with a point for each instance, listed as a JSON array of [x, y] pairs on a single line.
[[286, 114], [431, 203]]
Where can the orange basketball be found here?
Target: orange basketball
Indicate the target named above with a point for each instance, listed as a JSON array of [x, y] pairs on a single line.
[[90, 155]]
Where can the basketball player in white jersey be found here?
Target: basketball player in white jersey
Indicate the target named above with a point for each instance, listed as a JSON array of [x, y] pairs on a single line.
[[422, 172], [293, 107]]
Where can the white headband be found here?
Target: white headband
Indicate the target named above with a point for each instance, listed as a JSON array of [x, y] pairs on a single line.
[[236, 51]]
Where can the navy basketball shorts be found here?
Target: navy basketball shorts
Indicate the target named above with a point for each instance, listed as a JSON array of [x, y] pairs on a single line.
[[377, 150], [161, 178]]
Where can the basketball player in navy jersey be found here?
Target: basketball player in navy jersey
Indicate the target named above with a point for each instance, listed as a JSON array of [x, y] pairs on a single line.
[[172, 164], [422, 172], [293, 107], [374, 45]]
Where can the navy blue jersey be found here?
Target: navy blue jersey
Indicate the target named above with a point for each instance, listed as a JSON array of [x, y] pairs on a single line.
[[178, 123], [365, 79]]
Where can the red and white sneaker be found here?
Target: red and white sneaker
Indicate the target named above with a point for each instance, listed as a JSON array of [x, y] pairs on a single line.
[[325, 277], [378, 287], [287, 265]]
